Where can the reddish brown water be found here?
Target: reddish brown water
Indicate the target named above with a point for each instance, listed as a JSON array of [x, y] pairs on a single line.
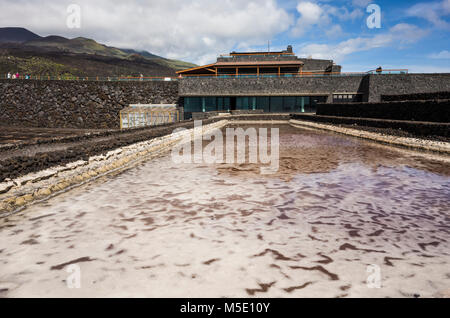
[[337, 205]]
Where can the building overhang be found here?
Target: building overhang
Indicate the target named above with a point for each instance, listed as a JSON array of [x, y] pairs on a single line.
[[260, 63], [198, 69], [211, 69]]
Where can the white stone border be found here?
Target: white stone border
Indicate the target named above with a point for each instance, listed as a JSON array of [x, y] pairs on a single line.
[[17, 193], [417, 143]]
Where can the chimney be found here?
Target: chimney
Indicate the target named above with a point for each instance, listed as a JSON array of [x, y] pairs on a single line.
[[289, 49]]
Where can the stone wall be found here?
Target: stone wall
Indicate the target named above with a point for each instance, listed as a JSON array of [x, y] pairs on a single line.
[[426, 110], [416, 96], [76, 104], [370, 86], [407, 84], [401, 128], [295, 86]]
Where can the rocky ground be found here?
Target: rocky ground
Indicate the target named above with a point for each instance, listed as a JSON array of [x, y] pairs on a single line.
[[35, 155], [403, 128], [396, 132]]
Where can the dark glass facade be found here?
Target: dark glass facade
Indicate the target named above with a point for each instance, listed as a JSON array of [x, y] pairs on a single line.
[[269, 104]]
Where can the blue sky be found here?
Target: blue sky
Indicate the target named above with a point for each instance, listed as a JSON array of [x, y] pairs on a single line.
[[413, 34]]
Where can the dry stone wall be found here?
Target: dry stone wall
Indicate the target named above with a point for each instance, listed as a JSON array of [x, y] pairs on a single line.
[[76, 104]]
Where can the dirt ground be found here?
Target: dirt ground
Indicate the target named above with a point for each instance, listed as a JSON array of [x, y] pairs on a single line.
[[14, 135]]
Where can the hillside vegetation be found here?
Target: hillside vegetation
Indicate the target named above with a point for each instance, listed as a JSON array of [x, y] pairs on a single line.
[[27, 53]]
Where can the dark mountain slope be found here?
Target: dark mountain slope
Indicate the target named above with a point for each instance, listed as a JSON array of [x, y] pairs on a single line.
[[17, 35], [56, 55]]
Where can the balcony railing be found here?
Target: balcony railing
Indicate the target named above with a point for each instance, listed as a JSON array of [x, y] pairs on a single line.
[[168, 79], [88, 78], [399, 71], [295, 75]]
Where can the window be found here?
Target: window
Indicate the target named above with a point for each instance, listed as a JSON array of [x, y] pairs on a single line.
[[289, 104], [263, 103], [223, 103], [276, 104], [242, 103], [210, 104], [302, 103], [192, 104]]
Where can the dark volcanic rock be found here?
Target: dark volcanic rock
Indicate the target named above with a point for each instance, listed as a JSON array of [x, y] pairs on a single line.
[[76, 104]]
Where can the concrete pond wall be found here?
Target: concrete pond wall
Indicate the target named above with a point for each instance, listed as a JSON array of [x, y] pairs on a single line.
[[76, 104]]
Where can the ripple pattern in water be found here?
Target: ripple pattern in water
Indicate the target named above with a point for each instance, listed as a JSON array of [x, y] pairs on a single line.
[[337, 206]]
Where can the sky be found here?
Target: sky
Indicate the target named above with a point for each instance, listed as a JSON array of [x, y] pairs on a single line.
[[413, 35]]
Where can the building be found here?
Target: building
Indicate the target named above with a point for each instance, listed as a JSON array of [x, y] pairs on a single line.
[[262, 64], [281, 82]]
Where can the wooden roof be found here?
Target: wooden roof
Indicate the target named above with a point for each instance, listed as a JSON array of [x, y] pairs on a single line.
[[209, 67], [256, 63]]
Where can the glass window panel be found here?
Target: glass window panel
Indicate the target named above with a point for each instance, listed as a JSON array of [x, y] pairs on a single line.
[[289, 104], [192, 104], [210, 104], [226, 103], [308, 107], [252, 103], [242, 103], [263, 103], [300, 104], [276, 104], [238, 103]]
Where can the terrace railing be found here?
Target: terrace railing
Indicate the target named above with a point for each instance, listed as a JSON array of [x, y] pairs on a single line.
[[396, 71], [168, 79], [89, 78], [294, 75]]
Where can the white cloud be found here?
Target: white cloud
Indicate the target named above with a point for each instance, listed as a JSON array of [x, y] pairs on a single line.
[[334, 31], [342, 13], [193, 30], [441, 55], [361, 3], [313, 14], [400, 35], [310, 14], [433, 12]]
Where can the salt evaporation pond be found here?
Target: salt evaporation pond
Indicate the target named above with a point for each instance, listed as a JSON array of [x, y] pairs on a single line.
[[337, 206]]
